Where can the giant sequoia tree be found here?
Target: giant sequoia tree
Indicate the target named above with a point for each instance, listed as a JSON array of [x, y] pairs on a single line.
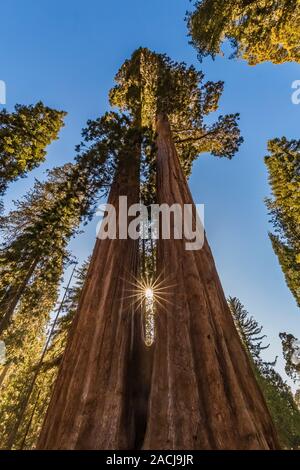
[[24, 134], [258, 30], [202, 392], [196, 340], [283, 163], [198, 345]]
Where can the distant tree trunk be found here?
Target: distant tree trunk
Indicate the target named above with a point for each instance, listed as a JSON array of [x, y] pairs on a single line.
[[89, 405], [3, 374], [13, 295], [203, 392]]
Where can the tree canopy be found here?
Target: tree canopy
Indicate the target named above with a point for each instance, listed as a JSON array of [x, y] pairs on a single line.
[[283, 163], [258, 30], [39, 229], [149, 84], [24, 135]]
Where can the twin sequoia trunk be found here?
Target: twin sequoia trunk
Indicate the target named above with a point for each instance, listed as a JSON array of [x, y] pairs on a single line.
[[203, 392], [89, 406]]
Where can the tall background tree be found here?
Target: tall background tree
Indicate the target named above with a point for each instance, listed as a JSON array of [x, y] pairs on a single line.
[[280, 399], [291, 353], [30, 376], [283, 163], [24, 135], [43, 223], [34, 255], [258, 30]]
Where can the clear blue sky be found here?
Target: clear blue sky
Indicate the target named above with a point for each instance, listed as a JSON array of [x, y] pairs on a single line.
[[66, 54]]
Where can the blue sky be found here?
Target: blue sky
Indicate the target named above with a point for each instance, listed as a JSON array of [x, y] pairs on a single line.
[[66, 54]]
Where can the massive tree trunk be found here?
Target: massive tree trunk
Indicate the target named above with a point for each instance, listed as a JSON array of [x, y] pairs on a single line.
[[203, 393], [89, 406]]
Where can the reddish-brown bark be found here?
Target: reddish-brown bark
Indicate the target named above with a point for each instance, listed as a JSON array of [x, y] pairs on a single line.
[[203, 392], [90, 405]]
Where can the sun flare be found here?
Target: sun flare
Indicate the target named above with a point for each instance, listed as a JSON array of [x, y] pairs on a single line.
[[147, 294]]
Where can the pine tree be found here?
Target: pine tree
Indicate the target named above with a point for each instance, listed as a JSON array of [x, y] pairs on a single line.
[[40, 228], [283, 163], [258, 30], [27, 367], [291, 354], [35, 254], [278, 395], [24, 135], [248, 328], [24, 341]]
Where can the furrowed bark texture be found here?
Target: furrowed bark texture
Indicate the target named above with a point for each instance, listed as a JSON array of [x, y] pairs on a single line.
[[203, 393], [89, 406]]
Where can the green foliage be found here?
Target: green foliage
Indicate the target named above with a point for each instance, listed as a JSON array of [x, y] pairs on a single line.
[[38, 231], [283, 165], [282, 406], [248, 329], [278, 395], [33, 257], [291, 356], [36, 234], [24, 135], [24, 343], [150, 84], [258, 30]]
